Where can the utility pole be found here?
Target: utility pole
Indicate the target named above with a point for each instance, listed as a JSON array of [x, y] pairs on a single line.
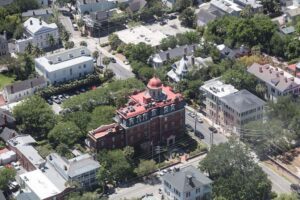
[[195, 128]]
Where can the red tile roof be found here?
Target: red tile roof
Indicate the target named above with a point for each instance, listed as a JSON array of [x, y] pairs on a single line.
[[103, 130], [292, 67]]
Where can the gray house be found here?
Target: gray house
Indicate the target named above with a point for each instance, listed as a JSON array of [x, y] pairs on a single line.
[[81, 169], [158, 59], [187, 183]]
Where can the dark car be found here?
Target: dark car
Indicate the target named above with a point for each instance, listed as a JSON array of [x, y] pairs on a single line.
[[172, 17], [49, 101], [189, 127], [213, 129], [295, 188], [113, 60], [199, 134]]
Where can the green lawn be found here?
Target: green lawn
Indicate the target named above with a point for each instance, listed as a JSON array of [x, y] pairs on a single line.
[[4, 80]]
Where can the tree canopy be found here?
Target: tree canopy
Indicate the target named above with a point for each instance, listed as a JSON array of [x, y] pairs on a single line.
[[145, 167], [34, 117], [6, 175], [235, 174], [101, 115]]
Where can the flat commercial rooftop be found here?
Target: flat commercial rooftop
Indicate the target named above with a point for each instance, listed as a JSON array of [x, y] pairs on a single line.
[[141, 34], [40, 184]]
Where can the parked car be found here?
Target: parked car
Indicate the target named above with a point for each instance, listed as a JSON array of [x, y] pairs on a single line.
[[66, 96], [61, 97], [189, 127], [295, 188], [113, 60], [75, 27], [213, 129], [162, 23], [126, 62], [199, 120], [192, 114], [49, 101], [172, 17], [56, 100], [199, 134], [82, 90]]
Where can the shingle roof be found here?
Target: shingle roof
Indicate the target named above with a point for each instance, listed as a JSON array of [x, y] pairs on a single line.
[[24, 85], [242, 101], [177, 52], [276, 77], [6, 118], [181, 182], [7, 134], [204, 16]]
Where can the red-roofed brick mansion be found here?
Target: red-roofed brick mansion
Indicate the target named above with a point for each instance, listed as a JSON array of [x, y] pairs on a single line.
[[151, 117]]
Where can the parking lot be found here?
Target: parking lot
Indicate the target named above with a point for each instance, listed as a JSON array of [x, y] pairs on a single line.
[[172, 27]]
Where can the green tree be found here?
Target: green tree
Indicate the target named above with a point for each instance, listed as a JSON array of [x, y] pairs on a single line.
[[80, 118], [51, 41], [169, 42], [34, 116], [114, 167], [114, 41], [96, 54], [145, 167], [128, 152], [6, 175], [106, 61], [188, 17], [66, 133], [101, 115], [140, 52], [181, 5], [235, 174], [292, 196]]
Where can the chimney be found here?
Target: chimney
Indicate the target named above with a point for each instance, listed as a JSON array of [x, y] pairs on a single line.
[[270, 70], [33, 13], [168, 55], [50, 157], [31, 84], [292, 79], [189, 177], [40, 21], [31, 22], [12, 89], [65, 167], [260, 69], [193, 60]]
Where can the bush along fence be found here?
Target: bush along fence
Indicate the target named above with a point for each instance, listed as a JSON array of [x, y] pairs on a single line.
[[89, 80]]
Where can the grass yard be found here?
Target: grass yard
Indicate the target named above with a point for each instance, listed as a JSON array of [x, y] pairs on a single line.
[[4, 80]]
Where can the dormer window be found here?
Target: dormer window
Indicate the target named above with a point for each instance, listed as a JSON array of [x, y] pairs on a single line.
[[172, 107], [166, 109], [82, 52], [139, 118], [59, 59], [145, 116], [131, 121], [153, 112]]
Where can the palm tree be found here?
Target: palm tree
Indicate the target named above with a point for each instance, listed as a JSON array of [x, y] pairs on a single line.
[[51, 41], [29, 48], [261, 89], [96, 56], [106, 61]]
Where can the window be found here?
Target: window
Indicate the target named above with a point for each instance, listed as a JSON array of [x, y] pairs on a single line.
[[166, 109], [82, 52], [139, 118], [84, 66], [79, 67], [153, 112], [188, 194], [172, 107], [131, 121], [198, 190], [145, 116]]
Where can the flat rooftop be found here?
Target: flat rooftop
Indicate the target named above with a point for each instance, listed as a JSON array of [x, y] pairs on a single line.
[[141, 34], [65, 59], [218, 88], [37, 182]]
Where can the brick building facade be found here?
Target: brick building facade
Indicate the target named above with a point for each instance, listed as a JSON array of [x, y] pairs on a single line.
[[154, 116]]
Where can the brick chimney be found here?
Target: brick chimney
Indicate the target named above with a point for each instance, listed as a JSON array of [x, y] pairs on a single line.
[[31, 22]]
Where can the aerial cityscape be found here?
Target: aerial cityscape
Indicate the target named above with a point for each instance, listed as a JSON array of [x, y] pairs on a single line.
[[149, 99]]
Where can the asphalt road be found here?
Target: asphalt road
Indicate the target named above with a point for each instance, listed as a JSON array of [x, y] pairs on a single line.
[[120, 72], [203, 128]]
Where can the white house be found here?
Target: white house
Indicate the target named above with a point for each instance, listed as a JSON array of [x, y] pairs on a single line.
[[22, 89], [88, 6], [64, 66], [37, 32], [187, 184], [276, 81], [187, 63]]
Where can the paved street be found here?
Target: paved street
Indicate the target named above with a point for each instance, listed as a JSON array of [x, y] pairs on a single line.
[[120, 72], [203, 128], [279, 183], [142, 188]]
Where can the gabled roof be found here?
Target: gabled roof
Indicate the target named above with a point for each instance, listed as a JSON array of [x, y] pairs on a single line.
[[37, 12], [186, 179], [276, 77], [8, 134], [136, 5], [24, 85], [176, 52], [35, 25]]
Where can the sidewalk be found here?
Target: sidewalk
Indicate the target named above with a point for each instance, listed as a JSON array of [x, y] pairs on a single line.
[[220, 129]]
